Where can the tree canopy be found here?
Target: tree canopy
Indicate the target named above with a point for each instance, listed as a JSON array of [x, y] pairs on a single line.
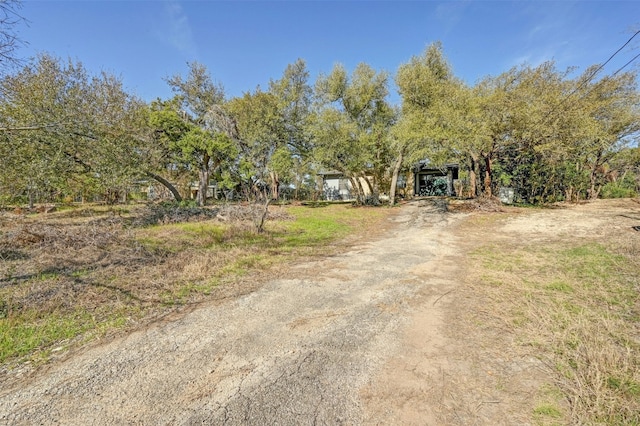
[[10, 18], [351, 125], [66, 132], [548, 134]]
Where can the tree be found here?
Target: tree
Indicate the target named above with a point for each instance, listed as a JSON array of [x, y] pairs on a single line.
[[66, 131], [209, 141], [165, 127], [262, 134], [426, 83], [532, 133], [611, 122], [533, 128], [557, 136], [295, 99], [10, 18], [272, 128], [351, 126]]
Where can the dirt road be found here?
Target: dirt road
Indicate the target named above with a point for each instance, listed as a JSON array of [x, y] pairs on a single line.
[[358, 338]]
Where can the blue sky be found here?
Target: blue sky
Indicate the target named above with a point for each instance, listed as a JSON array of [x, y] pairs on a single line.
[[245, 44]]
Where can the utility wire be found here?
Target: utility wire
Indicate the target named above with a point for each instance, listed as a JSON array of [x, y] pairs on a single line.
[[625, 65], [593, 74]]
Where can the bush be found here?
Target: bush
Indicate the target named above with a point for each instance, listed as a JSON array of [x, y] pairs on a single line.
[[624, 188]]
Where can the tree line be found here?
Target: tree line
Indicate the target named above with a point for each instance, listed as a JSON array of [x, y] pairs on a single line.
[[66, 133]]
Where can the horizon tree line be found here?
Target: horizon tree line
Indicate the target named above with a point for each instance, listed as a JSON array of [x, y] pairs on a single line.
[[549, 135]]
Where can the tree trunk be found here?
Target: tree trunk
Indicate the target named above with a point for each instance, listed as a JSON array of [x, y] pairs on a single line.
[[593, 192], [372, 192], [275, 186], [364, 178], [375, 194], [203, 184], [166, 184], [568, 193], [487, 176], [394, 179], [593, 178], [262, 215], [474, 171], [355, 183]]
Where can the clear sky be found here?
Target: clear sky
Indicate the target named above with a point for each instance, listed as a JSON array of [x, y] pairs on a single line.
[[246, 43]]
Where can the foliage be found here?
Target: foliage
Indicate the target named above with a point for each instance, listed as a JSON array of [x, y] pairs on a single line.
[[201, 135], [351, 126], [64, 131], [272, 130], [295, 97], [436, 111], [261, 132], [548, 135], [626, 187]]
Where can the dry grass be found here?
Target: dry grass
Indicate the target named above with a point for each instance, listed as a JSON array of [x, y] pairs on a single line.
[[574, 303], [482, 204], [69, 276]]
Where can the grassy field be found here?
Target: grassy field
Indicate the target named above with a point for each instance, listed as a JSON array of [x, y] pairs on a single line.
[[575, 304], [72, 276]]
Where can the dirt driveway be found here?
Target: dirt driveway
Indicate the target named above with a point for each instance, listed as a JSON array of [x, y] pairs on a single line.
[[358, 338]]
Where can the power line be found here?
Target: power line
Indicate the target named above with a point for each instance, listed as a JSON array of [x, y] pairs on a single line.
[[625, 65], [610, 58], [593, 74]]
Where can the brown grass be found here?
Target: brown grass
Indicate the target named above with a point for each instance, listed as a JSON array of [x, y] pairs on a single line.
[[97, 270], [573, 303]]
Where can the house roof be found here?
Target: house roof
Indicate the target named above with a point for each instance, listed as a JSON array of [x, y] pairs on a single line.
[[423, 166], [329, 172]]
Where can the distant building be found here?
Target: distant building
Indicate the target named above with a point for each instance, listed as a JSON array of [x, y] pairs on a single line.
[[421, 180], [337, 187], [429, 181]]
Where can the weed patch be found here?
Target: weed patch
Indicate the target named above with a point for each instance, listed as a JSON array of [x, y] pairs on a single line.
[[74, 274], [578, 305]]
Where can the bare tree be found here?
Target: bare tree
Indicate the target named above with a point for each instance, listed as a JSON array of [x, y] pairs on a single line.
[[9, 39]]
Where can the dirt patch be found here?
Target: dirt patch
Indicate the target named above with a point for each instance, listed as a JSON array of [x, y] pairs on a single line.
[[72, 276], [444, 370], [457, 362]]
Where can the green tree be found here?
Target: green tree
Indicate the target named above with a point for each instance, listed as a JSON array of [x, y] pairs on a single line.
[[351, 126], [66, 131], [262, 134], [295, 99], [293, 159], [611, 108], [209, 143], [533, 128], [272, 130], [165, 127], [558, 136], [533, 133], [429, 94]]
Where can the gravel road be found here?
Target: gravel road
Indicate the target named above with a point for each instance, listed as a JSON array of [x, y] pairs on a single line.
[[299, 351]]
